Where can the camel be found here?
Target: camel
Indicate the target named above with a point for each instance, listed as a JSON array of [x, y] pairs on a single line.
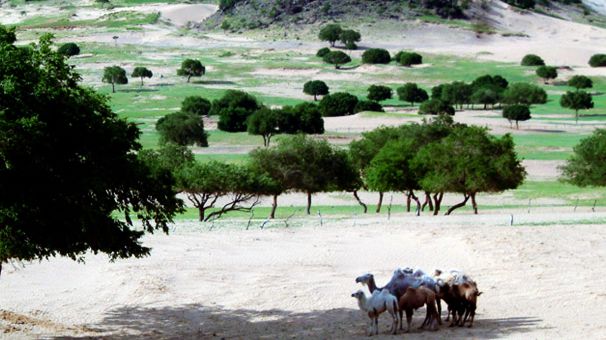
[[379, 302], [415, 298]]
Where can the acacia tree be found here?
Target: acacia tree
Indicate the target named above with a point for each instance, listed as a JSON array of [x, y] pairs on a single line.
[[579, 100], [70, 177], [114, 75], [191, 68], [315, 88], [330, 33], [142, 72], [587, 166], [469, 161]]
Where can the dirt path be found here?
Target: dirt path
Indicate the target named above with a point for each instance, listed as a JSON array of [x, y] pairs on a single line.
[[538, 282]]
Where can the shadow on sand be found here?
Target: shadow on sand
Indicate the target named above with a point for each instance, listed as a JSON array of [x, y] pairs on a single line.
[[213, 82], [197, 321]]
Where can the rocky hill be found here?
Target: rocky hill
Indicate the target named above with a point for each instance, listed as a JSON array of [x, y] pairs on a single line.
[[236, 15]]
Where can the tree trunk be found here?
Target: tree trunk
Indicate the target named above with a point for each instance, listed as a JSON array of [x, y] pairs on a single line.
[[380, 203], [458, 205], [309, 203], [576, 115], [438, 202], [141, 81], [188, 78], [315, 97], [412, 195], [474, 204], [265, 141], [517, 126], [274, 205], [201, 213], [113, 88], [428, 201], [408, 202], [355, 193]]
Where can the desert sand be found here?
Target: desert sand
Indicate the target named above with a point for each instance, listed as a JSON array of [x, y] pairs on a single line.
[[537, 281]]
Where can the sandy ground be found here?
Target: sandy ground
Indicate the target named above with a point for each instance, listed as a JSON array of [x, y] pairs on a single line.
[[538, 282]]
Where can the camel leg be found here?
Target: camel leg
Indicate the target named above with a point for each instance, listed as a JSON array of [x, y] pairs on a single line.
[[394, 325], [401, 318], [409, 319], [473, 315], [377, 325]]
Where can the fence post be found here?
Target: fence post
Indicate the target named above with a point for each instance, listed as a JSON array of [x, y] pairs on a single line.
[[321, 222]]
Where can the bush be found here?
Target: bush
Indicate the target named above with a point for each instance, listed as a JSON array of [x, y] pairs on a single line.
[[411, 93], [322, 52], [338, 104], [379, 93], [409, 58], [597, 60], [376, 56], [349, 38], [182, 129], [196, 105], [580, 82], [532, 60], [436, 107], [69, 49], [301, 118], [368, 105]]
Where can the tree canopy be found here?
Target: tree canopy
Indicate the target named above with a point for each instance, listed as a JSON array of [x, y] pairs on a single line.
[[532, 60], [516, 113], [580, 82], [547, 72], [338, 104], [376, 56], [436, 107], [349, 38], [412, 93], [233, 110], [69, 49], [587, 165], [524, 93], [70, 177], [379, 92], [196, 105], [579, 100]]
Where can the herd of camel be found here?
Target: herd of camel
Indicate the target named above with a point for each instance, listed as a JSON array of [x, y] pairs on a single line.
[[409, 290]]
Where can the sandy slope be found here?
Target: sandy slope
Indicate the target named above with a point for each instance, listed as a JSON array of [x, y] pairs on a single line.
[[538, 282]]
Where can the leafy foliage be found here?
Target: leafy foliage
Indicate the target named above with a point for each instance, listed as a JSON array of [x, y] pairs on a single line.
[[580, 82], [322, 52], [330, 33], [350, 38], [408, 58], [70, 177], [263, 122], [597, 60], [436, 107], [524, 93], [587, 166], [142, 72], [368, 105], [579, 100], [547, 72]]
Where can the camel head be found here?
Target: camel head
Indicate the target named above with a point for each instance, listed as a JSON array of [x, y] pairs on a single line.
[[364, 279], [358, 295]]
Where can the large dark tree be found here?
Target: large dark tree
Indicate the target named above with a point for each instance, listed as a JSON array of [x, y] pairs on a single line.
[[264, 122], [336, 58], [191, 68], [196, 105], [547, 73], [349, 38], [70, 178], [69, 49], [379, 92], [580, 82], [524, 93], [516, 113], [338, 104]]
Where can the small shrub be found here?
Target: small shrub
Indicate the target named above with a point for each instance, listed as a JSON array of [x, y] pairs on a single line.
[[338, 104], [409, 58], [322, 52], [69, 49]]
